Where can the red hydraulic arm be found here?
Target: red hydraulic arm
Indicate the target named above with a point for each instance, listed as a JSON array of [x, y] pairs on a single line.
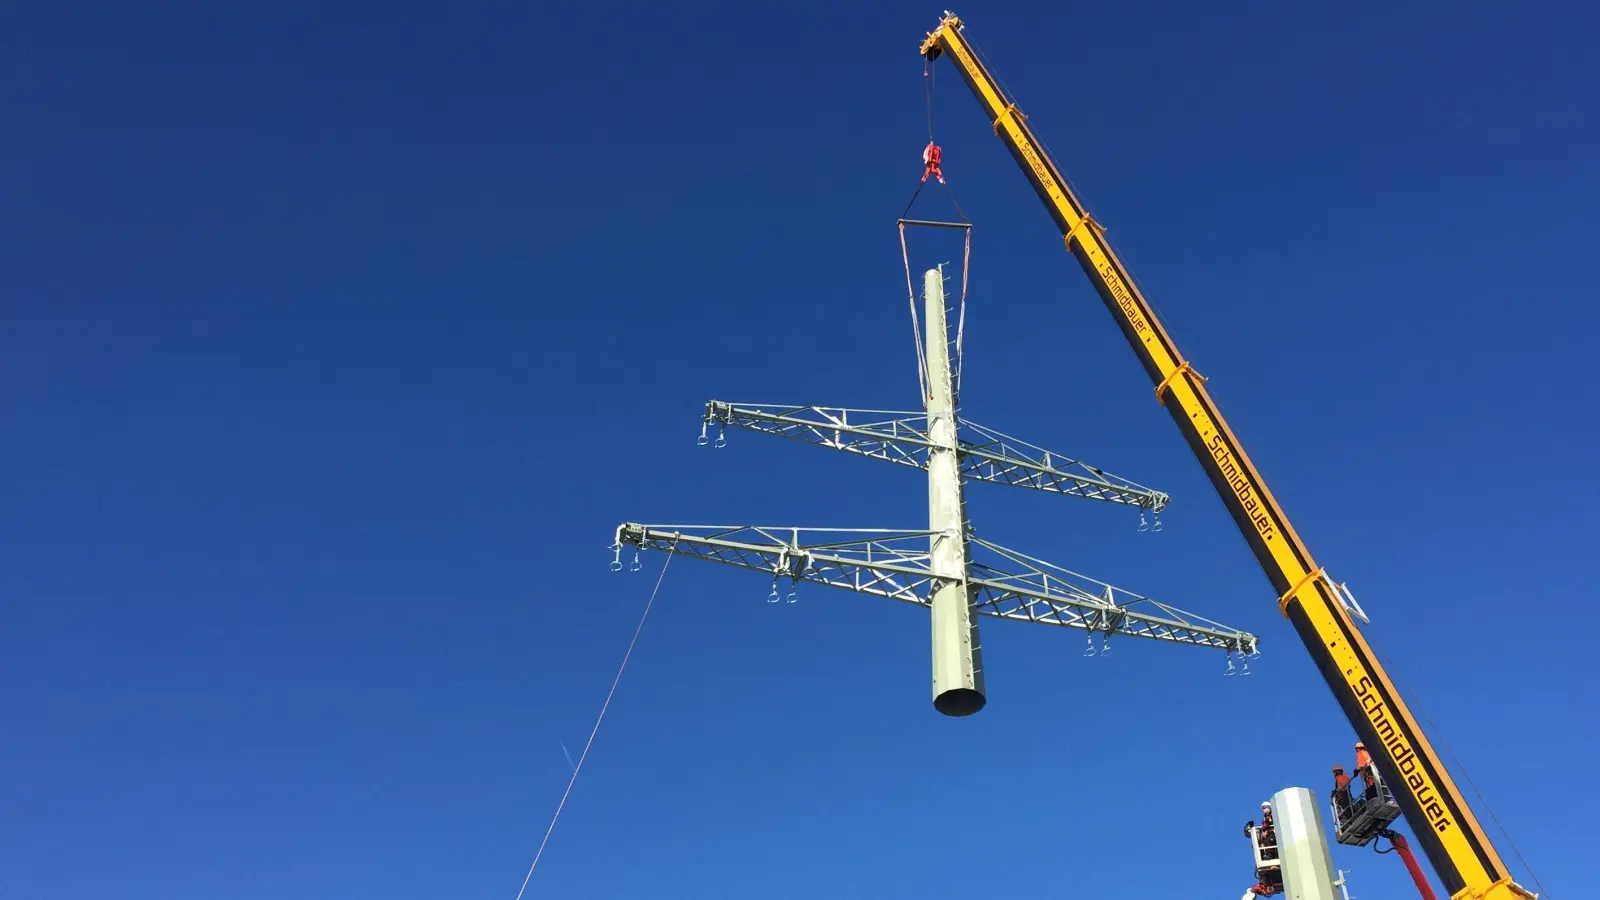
[[1399, 841]]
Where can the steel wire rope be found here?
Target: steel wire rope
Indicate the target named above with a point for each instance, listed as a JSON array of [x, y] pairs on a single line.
[[916, 325], [961, 320], [598, 719], [1456, 761], [966, 259]]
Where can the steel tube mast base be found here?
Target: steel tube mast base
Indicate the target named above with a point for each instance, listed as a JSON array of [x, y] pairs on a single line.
[[957, 656]]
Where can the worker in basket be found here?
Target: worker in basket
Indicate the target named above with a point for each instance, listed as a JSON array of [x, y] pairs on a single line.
[[1364, 769], [930, 163], [1269, 879], [1267, 835], [1341, 795]]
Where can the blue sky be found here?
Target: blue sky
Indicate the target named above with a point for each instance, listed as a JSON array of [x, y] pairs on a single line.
[[338, 338]]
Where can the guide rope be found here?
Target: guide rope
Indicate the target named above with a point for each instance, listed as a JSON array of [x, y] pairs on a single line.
[[598, 719]]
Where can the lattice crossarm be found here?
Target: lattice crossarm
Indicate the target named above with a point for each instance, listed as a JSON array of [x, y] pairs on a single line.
[[885, 563], [1033, 590], [988, 455], [893, 436], [901, 437], [895, 564], [1010, 601]]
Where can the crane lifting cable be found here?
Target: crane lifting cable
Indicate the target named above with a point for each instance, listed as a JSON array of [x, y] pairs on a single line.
[[932, 156]]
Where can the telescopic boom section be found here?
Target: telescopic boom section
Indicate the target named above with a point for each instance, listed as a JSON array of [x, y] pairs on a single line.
[[1445, 826]]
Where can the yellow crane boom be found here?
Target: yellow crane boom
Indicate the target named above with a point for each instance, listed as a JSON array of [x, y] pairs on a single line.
[[1461, 854]]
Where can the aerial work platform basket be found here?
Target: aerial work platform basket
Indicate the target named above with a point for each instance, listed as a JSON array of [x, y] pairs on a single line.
[[1265, 847], [1364, 817]]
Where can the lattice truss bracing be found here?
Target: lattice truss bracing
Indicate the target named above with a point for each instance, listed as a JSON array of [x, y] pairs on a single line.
[[1003, 583], [902, 437]]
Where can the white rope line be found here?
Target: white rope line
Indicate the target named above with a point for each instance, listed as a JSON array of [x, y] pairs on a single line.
[[598, 719], [961, 323], [916, 326]]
